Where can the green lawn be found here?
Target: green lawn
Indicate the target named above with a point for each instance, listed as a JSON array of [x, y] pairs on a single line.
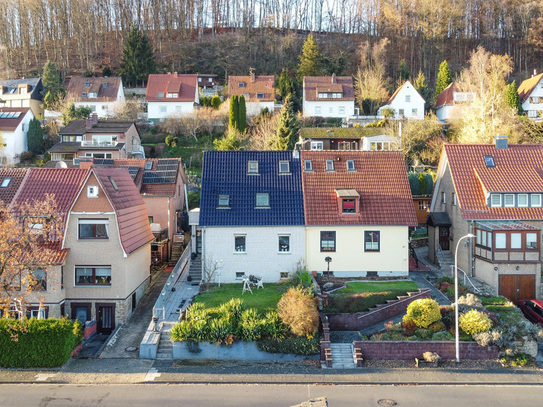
[[262, 299], [375, 287]]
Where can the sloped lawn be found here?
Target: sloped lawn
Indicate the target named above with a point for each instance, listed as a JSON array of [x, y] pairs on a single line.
[[361, 296], [262, 299]]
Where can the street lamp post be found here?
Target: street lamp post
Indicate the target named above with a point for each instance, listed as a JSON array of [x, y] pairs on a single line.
[[457, 333]]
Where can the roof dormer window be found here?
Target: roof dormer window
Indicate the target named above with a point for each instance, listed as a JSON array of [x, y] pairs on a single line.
[[495, 200], [509, 200], [260, 95], [329, 165], [252, 167], [348, 205], [241, 84], [84, 94]]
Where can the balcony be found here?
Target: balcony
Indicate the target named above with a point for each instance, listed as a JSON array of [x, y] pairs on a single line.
[[106, 144]]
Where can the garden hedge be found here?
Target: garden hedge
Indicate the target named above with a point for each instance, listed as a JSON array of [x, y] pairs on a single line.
[[37, 343]]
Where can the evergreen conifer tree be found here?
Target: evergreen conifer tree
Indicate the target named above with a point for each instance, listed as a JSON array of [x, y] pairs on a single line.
[[444, 78], [234, 111], [35, 137], [286, 84], [403, 72], [138, 60], [288, 128], [422, 87], [310, 59], [52, 84], [512, 97], [242, 115]]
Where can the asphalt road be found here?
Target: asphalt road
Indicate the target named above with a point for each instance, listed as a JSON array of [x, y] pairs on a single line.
[[238, 395]]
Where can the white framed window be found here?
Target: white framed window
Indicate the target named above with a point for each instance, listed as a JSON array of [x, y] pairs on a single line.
[[284, 167], [509, 200], [308, 165], [454, 198], [284, 243], [341, 110], [414, 112], [495, 200], [535, 200], [401, 112], [93, 228], [252, 167], [318, 110], [224, 201], [522, 200], [199, 79], [92, 191], [38, 280], [162, 109], [329, 165], [262, 200], [240, 243], [501, 240], [317, 145], [260, 95], [283, 275], [444, 197], [423, 205], [330, 110], [372, 241], [240, 275]]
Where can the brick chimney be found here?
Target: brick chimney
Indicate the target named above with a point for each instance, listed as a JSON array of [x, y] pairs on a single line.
[[92, 121]]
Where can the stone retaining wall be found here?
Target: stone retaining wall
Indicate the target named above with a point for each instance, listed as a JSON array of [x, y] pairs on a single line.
[[406, 350], [381, 313]]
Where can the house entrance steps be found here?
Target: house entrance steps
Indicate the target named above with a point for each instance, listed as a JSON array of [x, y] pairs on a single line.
[[195, 269], [165, 346], [342, 356]]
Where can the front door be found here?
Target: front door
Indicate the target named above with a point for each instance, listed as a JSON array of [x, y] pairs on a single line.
[[517, 287], [106, 318], [444, 237]]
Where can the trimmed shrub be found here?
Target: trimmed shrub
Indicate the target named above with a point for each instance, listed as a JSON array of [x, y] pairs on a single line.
[[298, 310], [37, 342], [437, 326], [474, 322], [304, 346], [423, 312], [442, 336], [424, 334]]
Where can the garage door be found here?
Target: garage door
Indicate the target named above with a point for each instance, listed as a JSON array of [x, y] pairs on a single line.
[[517, 287]]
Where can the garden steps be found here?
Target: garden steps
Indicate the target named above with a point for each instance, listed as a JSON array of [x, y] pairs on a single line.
[[165, 346], [195, 269], [177, 251], [342, 356]]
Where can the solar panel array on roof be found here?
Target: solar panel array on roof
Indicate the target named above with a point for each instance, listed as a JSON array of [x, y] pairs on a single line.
[[167, 165], [103, 162], [79, 160], [132, 170], [9, 115], [159, 177]]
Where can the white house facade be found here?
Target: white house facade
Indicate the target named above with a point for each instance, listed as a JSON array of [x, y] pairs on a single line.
[[328, 96], [531, 96], [14, 123], [406, 102]]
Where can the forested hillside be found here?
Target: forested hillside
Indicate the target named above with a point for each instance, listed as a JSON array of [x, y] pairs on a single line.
[[229, 36]]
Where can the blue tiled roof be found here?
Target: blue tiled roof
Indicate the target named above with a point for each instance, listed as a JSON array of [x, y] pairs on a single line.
[[225, 173]]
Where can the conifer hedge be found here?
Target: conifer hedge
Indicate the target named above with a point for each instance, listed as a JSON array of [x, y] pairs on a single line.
[[37, 343]]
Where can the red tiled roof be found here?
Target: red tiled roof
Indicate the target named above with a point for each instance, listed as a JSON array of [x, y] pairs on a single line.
[[261, 84], [132, 219], [107, 93], [380, 178], [315, 84], [518, 168], [186, 85], [63, 183], [446, 97], [526, 87], [16, 175], [11, 124]]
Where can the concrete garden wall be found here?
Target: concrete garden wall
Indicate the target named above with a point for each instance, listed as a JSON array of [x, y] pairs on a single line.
[[238, 351]]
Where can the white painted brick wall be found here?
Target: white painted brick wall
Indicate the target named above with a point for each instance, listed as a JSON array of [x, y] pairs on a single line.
[[262, 257]]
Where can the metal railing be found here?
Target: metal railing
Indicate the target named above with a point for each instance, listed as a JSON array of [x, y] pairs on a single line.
[[159, 309], [466, 278]]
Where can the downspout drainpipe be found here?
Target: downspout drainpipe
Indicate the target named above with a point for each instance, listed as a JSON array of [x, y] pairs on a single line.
[[471, 266], [186, 198]]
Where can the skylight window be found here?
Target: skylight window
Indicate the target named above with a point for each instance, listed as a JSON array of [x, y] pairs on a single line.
[[224, 201], [489, 161], [284, 167], [263, 200], [252, 167], [350, 165], [5, 183], [160, 95], [329, 165], [113, 184], [148, 165], [308, 165]]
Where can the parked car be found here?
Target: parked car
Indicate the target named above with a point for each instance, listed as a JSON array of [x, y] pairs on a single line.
[[532, 310]]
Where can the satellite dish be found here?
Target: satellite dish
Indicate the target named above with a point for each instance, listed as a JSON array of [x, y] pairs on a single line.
[[61, 164]]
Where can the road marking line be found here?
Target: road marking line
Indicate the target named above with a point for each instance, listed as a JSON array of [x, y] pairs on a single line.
[[42, 377], [152, 374]]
